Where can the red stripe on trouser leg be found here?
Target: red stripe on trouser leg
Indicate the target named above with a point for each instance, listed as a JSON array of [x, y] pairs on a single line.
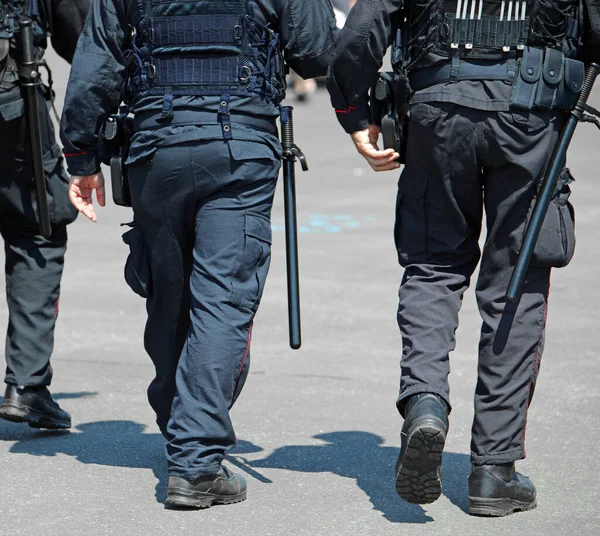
[[536, 366]]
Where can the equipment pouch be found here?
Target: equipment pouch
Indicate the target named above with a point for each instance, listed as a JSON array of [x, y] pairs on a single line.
[[547, 80], [137, 266], [390, 98], [571, 84], [525, 87], [115, 140], [552, 76], [556, 244]]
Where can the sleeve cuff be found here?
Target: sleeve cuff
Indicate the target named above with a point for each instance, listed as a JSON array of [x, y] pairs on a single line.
[[353, 118], [83, 163]]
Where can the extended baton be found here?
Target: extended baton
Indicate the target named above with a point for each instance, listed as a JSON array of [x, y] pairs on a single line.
[[291, 152], [29, 77], [549, 185]]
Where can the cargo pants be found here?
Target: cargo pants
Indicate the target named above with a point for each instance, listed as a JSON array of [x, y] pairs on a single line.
[[202, 225], [33, 264], [462, 162]]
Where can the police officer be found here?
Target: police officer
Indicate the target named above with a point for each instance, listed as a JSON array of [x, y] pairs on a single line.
[[204, 80], [34, 264], [491, 83]]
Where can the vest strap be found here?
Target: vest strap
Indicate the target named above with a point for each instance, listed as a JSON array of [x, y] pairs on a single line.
[[197, 30], [225, 117]]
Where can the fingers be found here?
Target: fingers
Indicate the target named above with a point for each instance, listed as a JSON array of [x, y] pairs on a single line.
[[81, 198], [366, 144], [380, 160]]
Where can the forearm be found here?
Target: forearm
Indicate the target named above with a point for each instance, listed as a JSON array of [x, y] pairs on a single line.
[[95, 82], [359, 53]]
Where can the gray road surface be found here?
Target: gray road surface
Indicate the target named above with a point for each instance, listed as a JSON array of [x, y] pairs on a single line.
[[318, 430]]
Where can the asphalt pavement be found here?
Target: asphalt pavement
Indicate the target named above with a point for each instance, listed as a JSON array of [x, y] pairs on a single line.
[[318, 429]]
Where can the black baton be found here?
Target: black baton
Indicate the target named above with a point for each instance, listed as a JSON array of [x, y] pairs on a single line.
[[29, 77], [549, 185], [290, 153]]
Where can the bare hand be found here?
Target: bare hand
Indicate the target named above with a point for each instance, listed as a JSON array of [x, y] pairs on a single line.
[[366, 144], [80, 193]]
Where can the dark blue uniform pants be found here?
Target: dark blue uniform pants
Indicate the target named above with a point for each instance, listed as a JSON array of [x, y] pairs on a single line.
[[460, 161], [34, 264], [204, 218]]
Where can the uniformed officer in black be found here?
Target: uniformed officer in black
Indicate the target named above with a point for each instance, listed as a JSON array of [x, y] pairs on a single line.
[[34, 264], [491, 81], [204, 80]]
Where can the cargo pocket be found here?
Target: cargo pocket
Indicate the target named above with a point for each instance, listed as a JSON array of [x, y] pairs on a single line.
[[137, 266], [410, 230], [556, 244], [249, 280]]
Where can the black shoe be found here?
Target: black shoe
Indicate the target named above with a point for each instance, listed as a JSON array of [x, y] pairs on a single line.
[[498, 490], [203, 492], [33, 405], [419, 467]]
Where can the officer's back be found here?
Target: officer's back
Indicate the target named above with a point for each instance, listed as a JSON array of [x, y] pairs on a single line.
[[204, 81]]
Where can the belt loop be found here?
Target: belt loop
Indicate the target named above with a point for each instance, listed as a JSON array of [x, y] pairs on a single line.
[[167, 110], [455, 68], [224, 117], [512, 69]]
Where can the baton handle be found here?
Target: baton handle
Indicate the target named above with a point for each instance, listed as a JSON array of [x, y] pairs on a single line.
[[548, 186], [29, 76], [291, 228]]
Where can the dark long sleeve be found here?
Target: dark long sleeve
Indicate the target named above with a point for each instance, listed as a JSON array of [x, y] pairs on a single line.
[[94, 88], [308, 31], [359, 53], [66, 22]]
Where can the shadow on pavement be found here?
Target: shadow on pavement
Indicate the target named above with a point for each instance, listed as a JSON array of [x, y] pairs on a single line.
[[68, 396], [360, 456], [110, 443], [353, 454]]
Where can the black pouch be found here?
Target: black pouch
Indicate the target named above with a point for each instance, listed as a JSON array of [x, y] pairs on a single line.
[[552, 76], [526, 84], [547, 80], [571, 84], [137, 266], [556, 244]]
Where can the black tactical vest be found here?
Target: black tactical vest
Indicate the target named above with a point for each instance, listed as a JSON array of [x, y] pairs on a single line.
[[488, 29], [203, 47], [11, 11]]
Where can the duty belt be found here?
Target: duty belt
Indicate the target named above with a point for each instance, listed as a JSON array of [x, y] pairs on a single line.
[[542, 78], [152, 120], [505, 70]]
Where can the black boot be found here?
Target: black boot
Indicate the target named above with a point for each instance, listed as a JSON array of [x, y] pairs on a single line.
[[203, 492], [33, 405], [419, 467], [498, 490]]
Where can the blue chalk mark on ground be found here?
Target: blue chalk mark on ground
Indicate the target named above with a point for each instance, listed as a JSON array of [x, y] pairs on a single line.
[[328, 223]]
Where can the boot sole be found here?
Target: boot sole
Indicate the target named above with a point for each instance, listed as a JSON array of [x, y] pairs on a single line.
[[479, 506], [34, 418], [180, 497], [419, 471]]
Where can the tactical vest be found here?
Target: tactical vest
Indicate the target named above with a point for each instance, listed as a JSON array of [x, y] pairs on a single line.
[[489, 29], [11, 11], [203, 47]]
